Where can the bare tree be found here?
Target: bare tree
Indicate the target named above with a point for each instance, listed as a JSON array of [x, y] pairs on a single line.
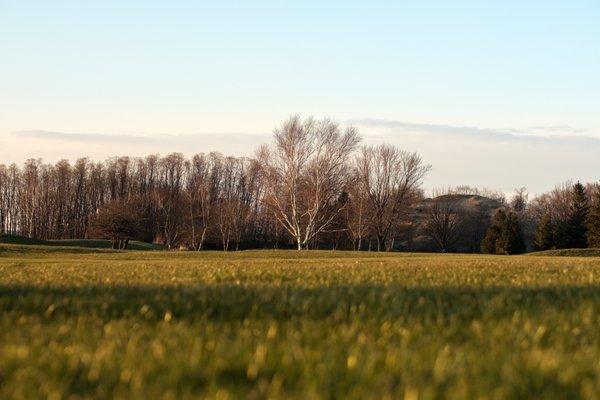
[[305, 172], [168, 198], [29, 197], [357, 211], [519, 200], [231, 208], [63, 188], [442, 222], [391, 178], [200, 197], [117, 221], [496, 195], [10, 188]]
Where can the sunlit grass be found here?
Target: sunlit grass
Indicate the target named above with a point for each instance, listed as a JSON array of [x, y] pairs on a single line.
[[287, 324]]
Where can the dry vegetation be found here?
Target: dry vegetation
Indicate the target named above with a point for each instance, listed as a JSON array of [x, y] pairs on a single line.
[[91, 323]]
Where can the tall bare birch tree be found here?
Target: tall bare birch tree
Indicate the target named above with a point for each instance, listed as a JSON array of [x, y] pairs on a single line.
[[305, 172]]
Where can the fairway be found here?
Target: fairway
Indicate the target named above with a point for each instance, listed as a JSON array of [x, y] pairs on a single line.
[[287, 324]]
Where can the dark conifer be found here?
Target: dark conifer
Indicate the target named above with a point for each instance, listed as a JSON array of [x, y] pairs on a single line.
[[560, 234], [577, 223], [504, 235], [593, 222], [511, 241], [494, 233], [544, 234]]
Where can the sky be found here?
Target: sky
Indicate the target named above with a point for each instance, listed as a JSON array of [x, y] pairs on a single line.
[[499, 95]]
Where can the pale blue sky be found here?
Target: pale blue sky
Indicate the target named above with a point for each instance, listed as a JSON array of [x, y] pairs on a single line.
[[219, 75]]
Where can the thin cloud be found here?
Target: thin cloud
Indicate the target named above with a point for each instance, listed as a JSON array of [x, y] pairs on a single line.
[[82, 137], [53, 145], [139, 139], [561, 129], [559, 135], [105, 145]]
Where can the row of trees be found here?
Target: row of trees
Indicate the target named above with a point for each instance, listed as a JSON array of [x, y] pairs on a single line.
[[566, 217], [314, 186], [569, 217]]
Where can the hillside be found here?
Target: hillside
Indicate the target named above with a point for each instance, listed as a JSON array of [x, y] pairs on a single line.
[[467, 202], [475, 213]]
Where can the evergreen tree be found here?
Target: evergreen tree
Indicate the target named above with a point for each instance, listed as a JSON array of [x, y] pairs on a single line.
[[511, 240], [560, 233], [593, 222], [544, 234], [577, 228], [493, 234], [504, 235]]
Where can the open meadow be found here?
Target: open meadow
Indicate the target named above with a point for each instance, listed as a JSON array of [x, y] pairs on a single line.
[[77, 323]]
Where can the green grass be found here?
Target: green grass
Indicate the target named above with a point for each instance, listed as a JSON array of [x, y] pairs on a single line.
[[283, 324], [87, 243]]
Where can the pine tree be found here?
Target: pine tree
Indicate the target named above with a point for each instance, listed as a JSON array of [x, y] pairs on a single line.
[[593, 222], [517, 242], [544, 234], [511, 240], [560, 233], [493, 234], [504, 236], [577, 228]]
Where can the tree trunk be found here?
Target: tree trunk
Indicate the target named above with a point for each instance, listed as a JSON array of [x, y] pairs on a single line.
[[201, 243]]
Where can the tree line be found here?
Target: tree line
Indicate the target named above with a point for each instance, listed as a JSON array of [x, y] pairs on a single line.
[[314, 186], [567, 217]]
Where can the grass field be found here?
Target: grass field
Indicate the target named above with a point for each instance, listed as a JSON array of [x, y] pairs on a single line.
[[91, 323]]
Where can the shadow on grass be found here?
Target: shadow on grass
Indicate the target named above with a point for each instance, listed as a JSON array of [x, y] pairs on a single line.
[[343, 302]]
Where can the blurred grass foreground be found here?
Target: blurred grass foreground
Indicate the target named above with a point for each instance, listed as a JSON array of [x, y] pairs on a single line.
[[89, 323]]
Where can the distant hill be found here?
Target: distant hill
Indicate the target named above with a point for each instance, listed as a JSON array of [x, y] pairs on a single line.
[[475, 211], [84, 243], [467, 202]]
